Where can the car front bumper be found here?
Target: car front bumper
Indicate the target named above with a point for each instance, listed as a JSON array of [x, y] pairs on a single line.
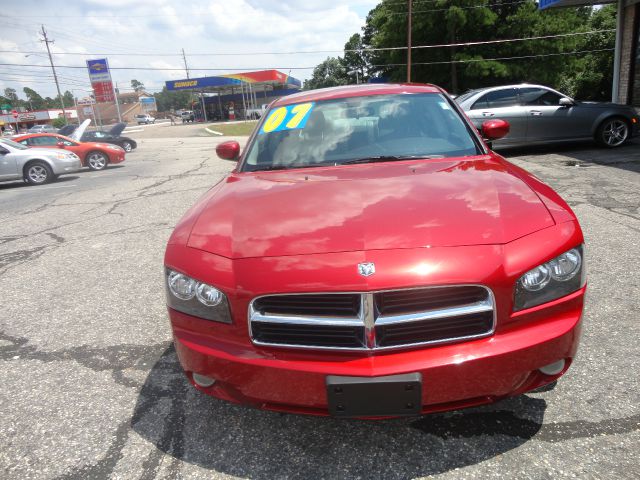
[[61, 167], [116, 157], [453, 376]]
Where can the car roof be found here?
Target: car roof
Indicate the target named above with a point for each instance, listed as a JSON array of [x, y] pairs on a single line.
[[517, 85], [362, 90], [35, 135]]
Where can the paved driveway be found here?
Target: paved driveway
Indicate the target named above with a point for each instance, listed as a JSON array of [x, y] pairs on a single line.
[[91, 387]]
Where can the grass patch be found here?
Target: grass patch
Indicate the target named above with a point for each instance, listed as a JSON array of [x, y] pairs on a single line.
[[233, 129]]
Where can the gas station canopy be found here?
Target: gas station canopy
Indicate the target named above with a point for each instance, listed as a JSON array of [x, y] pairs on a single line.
[[261, 77]]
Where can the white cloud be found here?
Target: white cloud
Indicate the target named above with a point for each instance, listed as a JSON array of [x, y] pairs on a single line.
[[218, 27]]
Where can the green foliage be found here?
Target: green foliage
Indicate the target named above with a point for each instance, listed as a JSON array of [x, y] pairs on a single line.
[[58, 122], [329, 73], [68, 99], [11, 98], [172, 100], [137, 85], [461, 68], [35, 101]]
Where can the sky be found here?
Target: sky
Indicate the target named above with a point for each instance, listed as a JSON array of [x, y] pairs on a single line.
[[229, 35]]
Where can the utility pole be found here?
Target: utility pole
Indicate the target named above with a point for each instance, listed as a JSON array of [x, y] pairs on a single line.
[[409, 44], [184, 57], [115, 96], [55, 77]]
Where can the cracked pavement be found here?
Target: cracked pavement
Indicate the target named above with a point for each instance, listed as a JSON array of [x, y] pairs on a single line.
[[91, 387]]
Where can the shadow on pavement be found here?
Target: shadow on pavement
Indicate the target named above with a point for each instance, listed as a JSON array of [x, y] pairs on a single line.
[[244, 442], [584, 154], [22, 183]]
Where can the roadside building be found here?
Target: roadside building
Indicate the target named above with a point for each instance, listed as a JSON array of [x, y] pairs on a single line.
[[626, 70], [26, 120]]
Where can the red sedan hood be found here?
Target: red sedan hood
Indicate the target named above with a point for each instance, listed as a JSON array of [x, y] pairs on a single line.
[[448, 202]]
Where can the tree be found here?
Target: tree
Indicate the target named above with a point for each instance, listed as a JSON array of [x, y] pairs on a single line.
[[11, 95], [329, 73], [137, 86], [354, 58], [36, 102], [67, 97], [592, 78], [172, 100], [459, 68]]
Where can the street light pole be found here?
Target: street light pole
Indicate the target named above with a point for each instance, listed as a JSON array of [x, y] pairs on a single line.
[[55, 77]]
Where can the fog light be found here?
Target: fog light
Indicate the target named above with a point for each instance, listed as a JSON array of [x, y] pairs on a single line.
[[202, 380], [553, 368]]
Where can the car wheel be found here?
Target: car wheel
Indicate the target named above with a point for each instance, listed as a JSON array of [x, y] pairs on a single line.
[[613, 132], [97, 161], [127, 146], [38, 173]]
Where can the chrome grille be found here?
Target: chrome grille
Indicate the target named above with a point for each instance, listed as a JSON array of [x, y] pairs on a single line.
[[373, 320]]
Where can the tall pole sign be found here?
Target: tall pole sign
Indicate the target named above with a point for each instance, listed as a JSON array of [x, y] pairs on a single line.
[[101, 80]]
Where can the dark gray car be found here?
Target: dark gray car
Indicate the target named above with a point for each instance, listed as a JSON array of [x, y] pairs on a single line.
[[539, 114]]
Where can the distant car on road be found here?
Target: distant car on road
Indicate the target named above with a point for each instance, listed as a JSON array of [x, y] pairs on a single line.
[[112, 136], [42, 129], [94, 155], [539, 114], [34, 166], [145, 118], [187, 116], [256, 113]]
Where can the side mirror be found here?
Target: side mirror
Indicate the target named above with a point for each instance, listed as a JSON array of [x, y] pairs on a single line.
[[228, 150], [495, 129], [60, 144], [566, 102]]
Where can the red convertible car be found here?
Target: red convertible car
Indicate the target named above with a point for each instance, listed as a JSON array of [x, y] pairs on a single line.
[[370, 256], [94, 155]]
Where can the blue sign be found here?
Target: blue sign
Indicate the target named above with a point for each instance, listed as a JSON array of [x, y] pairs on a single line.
[[547, 3], [201, 82], [99, 70]]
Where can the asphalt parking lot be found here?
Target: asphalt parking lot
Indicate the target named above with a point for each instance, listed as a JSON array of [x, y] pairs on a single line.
[[91, 387]]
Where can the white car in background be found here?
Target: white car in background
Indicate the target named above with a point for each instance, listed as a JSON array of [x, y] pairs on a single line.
[[144, 118], [34, 165]]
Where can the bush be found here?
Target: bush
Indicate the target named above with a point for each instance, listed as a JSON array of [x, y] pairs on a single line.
[[58, 122]]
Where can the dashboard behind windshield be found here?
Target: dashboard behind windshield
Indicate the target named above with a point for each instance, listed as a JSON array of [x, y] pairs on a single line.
[[334, 132]]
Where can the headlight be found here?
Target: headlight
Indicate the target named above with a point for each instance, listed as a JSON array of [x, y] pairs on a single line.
[[114, 147], [196, 298], [558, 277]]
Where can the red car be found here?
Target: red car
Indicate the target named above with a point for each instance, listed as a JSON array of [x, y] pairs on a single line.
[[94, 155], [370, 256]]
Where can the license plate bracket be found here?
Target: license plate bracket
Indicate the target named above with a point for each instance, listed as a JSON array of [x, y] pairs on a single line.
[[391, 395]]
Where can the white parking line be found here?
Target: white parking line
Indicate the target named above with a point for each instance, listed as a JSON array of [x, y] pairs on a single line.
[[213, 131]]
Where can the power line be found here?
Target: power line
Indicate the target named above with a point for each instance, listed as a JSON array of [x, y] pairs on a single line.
[[300, 52], [462, 8], [310, 68], [472, 60], [53, 68], [169, 69]]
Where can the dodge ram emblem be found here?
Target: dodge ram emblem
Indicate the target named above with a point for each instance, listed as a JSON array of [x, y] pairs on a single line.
[[366, 269]]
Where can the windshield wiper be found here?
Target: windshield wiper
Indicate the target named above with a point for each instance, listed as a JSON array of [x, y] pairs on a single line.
[[389, 158]]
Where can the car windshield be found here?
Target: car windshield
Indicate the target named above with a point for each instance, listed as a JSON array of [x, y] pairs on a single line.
[[12, 144], [360, 130]]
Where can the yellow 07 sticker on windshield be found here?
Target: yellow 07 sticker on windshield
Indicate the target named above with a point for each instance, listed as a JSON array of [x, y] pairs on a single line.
[[290, 117]]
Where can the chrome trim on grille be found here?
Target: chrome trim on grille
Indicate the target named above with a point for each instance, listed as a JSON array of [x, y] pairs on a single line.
[[369, 320], [478, 307]]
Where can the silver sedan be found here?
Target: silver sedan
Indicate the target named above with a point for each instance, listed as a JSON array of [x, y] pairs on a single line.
[[539, 114], [35, 166]]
